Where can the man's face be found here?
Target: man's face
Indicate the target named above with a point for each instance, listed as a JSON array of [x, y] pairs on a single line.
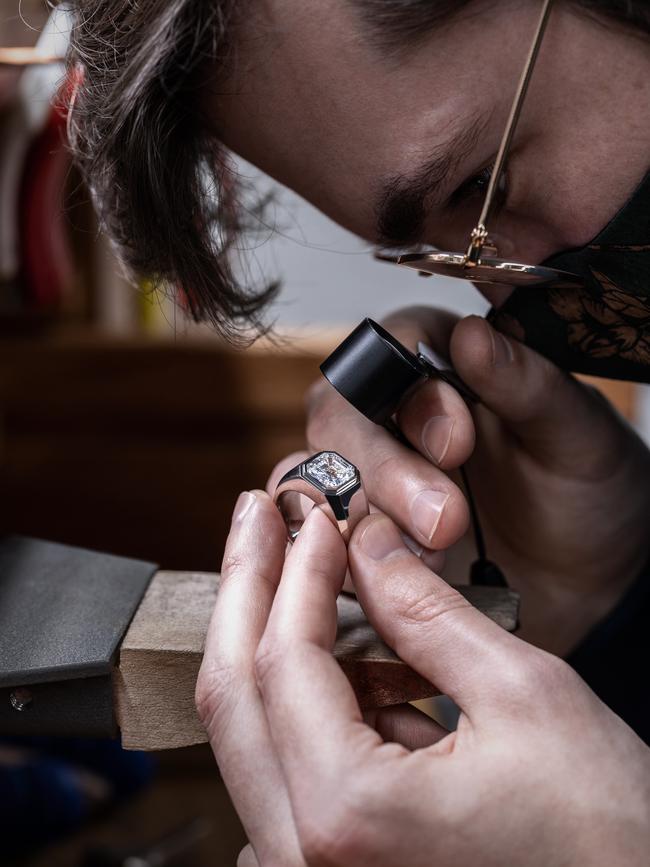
[[397, 146]]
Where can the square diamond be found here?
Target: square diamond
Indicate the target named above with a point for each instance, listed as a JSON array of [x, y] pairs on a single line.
[[330, 470]]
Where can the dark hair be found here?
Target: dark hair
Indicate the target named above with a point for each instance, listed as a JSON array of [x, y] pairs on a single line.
[[399, 23], [159, 177]]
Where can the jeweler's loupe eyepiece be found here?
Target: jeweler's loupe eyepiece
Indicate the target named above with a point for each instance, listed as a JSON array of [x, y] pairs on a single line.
[[373, 371]]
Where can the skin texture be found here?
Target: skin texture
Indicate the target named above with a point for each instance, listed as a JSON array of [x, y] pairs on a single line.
[[566, 523], [539, 772], [555, 528], [336, 131]]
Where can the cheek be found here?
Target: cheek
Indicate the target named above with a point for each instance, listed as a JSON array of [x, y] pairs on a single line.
[[523, 238], [566, 205]]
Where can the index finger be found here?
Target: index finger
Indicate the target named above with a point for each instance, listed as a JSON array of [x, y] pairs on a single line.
[[435, 418], [315, 720], [227, 698]]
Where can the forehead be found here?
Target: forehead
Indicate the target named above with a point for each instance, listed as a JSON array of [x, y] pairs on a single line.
[[312, 100]]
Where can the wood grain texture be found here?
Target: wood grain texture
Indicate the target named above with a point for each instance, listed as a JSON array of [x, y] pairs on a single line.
[[162, 650], [141, 448]]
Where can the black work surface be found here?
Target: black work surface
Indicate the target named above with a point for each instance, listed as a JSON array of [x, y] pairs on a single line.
[[63, 610]]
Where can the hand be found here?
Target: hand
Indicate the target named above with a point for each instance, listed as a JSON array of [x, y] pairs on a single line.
[[539, 773], [557, 475]]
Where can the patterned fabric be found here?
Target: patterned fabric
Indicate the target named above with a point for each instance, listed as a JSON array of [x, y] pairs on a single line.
[[603, 328]]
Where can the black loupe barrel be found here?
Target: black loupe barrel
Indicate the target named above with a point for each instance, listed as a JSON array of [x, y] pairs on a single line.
[[373, 371]]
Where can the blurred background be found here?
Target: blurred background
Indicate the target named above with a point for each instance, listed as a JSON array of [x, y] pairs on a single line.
[[107, 391], [125, 428]]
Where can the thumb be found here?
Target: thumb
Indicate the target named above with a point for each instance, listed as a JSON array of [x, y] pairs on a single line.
[[553, 414], [426, 622]]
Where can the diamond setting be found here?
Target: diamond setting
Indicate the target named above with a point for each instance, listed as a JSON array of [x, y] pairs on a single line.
[[330, 470]]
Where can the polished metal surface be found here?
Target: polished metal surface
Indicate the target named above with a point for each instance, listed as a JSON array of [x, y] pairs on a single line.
[[488, 270], [480, 233], [326, 480], [20, 698]]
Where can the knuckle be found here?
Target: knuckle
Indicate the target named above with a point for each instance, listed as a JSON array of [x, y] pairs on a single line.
[[339, 836], [519, 688], [269, 660], [328, 561], [238, 566], [389, 466], [215, 687], [545, 671], [554, 675], [537, 674], [432, 607], [234, 564]]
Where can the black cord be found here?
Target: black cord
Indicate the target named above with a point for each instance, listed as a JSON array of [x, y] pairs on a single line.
[[483, 572]]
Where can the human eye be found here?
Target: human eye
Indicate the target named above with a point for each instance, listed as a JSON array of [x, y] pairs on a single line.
[[476, 187]]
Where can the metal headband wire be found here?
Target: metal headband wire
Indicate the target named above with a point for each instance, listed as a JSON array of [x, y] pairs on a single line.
[[479, 235], [471, 264]]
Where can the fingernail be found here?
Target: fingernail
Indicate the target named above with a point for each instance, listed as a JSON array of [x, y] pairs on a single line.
[[243, 504], [412, 545], [380, 539], [436, 436], [502, 352], [426, 511]]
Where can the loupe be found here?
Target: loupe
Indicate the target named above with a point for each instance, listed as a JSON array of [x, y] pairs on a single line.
[[375, 372]]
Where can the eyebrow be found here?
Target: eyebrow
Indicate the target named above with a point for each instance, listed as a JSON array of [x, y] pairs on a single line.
[[403, 200]]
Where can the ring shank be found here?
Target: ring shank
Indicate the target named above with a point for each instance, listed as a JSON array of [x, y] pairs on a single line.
[[344, 512], [290, 504]]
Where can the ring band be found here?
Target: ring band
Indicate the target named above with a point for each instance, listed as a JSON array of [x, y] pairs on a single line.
[[332, 483]]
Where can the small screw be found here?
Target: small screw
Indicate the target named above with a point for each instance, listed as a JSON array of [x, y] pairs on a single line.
[[20, 699]]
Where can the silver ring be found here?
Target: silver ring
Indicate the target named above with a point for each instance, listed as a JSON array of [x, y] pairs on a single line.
[[330, 482]]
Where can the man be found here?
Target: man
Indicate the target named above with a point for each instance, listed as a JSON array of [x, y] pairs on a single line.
[[387, 114]]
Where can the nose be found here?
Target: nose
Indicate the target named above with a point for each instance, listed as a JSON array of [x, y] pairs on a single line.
[[496, 293]]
